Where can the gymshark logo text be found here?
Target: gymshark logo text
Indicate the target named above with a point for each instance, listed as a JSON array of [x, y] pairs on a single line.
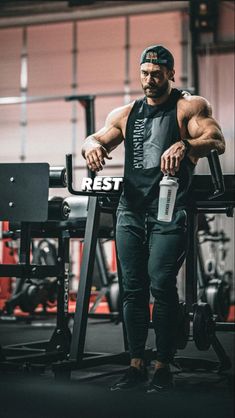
[[138, 136]]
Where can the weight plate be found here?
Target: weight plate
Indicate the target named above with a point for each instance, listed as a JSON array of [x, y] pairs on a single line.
[[203, 326], [29, 298], [218, 297]]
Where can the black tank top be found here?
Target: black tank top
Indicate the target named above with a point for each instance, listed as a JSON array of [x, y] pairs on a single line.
[[150, 131]]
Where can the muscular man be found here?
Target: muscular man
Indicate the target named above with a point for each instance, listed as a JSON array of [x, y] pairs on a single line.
[[167, 131]]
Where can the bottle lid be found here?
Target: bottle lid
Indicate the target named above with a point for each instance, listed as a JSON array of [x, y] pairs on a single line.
[[169, 181]]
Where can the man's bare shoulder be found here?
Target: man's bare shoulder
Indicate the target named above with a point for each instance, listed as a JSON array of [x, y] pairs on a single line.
[[117, 115], [194, 105]]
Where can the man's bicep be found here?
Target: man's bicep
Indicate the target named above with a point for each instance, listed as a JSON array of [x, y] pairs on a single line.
[[200, 120], [203, 126], [111, 134]]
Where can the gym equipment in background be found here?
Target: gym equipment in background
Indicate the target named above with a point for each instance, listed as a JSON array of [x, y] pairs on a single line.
[[32, 292], [109, 288], [214, 281]]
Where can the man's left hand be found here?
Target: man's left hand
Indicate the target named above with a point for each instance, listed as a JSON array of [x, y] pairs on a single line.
[[171, 158]]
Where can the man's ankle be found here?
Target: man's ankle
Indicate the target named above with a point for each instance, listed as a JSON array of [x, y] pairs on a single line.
[[137, 362], [161, 365]]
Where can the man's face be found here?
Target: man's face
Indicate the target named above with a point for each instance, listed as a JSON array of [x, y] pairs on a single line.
[[155, 79]]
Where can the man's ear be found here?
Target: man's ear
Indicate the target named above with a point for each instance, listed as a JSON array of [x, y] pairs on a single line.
[[171, 74]]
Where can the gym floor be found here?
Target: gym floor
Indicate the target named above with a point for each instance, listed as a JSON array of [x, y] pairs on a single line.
[[87, 394]]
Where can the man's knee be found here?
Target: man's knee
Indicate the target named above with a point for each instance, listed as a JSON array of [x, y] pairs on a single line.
[[165, 293], [162, 279], [138, 296]]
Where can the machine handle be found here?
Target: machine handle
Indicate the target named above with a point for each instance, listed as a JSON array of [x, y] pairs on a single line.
[[216, 174], [69, 173], [215, 168]]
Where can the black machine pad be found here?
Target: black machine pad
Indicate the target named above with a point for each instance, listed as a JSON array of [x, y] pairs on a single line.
[[24, 192]]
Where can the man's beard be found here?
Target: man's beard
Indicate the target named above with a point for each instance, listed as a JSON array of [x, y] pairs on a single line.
[[156, 91]]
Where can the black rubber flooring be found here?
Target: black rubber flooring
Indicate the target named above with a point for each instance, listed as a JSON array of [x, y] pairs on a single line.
[[87, 394]]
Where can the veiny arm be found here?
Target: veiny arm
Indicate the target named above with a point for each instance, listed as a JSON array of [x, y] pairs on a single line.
[[205, 133], [96, 147]]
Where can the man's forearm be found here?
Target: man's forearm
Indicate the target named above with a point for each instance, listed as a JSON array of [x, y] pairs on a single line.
[[90, 142], [201, 147]]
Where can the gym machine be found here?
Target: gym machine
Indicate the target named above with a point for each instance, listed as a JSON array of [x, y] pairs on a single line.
[[64, 356], [28, 294], [47, 220], [204, 324], [24, 190]]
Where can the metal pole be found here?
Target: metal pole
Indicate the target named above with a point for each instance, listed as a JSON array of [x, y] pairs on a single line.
[[90, 125], [23, 93], [74, 90], [61, 337], [84, 289], [90, 116], [127, 61], [194, 43], [184, 70]]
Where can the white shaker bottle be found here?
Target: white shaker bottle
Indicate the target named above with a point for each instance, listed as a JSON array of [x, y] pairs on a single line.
[[168, 189]]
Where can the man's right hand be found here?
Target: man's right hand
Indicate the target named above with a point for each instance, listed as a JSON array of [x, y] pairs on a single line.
[[95, 157]]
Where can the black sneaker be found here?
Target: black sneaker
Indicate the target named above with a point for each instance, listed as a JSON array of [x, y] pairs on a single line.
[[133, 378], [162, 380]]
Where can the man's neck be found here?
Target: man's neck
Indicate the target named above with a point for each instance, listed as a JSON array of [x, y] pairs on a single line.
[[154, 101]]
